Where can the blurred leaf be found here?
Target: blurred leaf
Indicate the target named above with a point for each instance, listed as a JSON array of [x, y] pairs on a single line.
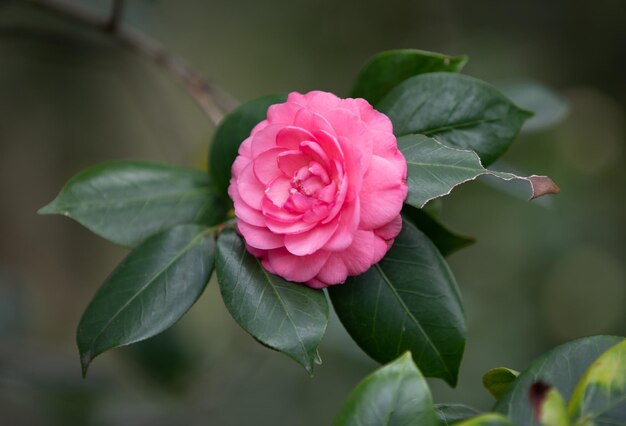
[[490, 419], [148, 292], [498, 380], [562, 368], [394, 395], [388, 69], [447, 241], [548, 405], [600, 397], [127, 201], [408, 301], [457, 110], [235, 128], [288, 317], [433, 170], [549, 108], [449, 414]]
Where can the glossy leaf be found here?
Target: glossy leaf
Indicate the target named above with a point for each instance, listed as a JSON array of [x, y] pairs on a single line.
[[600, 396], [232, 131], [562, 368], [127, 201], [498, 380], [388, 69], [408, 301], [549, 107], [148, 292], [434, 170], [490, 419], [447, 241], [394, 395], [459, 111], [451, 414], [288, 317]]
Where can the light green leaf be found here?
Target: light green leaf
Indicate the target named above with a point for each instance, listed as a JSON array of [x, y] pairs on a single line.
[[457, 110], [498, 380], [388, 69], [394, 395], [232, 131], [490, 419], [127, 201], [550, 407], [148, 292], [562, 368], [288, 317], [447, 241], [433, 170], [451, 414], [600, 396], [408, 301]]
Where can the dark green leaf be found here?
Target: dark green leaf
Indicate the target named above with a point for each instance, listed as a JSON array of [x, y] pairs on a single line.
[[388, 69], [600, 396], [127, 201], [408, 301], [449, 414], [498, 380], [489, 419], [148, 292], [459, 111], [446, 240], [434, 170], [285, 316], [235, 128], [394, 395], [549, 107], [562, 368]]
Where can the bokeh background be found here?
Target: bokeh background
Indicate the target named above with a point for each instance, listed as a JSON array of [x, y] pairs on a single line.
[[540, 273]]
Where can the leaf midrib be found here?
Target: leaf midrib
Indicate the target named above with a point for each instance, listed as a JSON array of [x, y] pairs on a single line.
[[410, 315], [100, 201], [183, 251]]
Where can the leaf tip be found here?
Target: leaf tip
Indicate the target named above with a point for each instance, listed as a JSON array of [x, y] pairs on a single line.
[[85, 360], [542, 185]]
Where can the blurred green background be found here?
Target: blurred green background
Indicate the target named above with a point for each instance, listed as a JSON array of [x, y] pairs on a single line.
[[540, 274]]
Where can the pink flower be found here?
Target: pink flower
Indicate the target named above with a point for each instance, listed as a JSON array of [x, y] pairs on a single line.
[[318, 188]]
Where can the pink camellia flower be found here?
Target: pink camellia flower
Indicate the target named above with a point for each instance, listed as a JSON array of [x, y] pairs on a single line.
[[318, 188]]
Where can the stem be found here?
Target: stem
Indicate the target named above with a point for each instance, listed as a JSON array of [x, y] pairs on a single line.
[[214, 102]]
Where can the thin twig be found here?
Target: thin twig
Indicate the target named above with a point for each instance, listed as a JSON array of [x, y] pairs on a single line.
[[213, 101]]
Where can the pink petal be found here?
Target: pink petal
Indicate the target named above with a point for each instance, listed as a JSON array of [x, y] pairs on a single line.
[[249, 187], [311, 241], [311, 121], [288, 228], [258, 237], [296, 268], [289, 162], [333, 272], [278, 191], [242, 210], [290, 137], [383, 192], [265, 139], [390, 230], [278, 213], [266, 165], [282, 113], [347, 226], [366, 250]]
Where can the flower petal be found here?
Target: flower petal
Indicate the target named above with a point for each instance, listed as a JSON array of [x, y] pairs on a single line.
[[259, 237], [296, 268]]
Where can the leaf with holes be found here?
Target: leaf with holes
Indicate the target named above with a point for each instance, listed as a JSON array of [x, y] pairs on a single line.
[[394, 395], [125, 202], [434, 170], [148, 292], [388, 69], [288, 317], [460, 111], [408, 301]]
